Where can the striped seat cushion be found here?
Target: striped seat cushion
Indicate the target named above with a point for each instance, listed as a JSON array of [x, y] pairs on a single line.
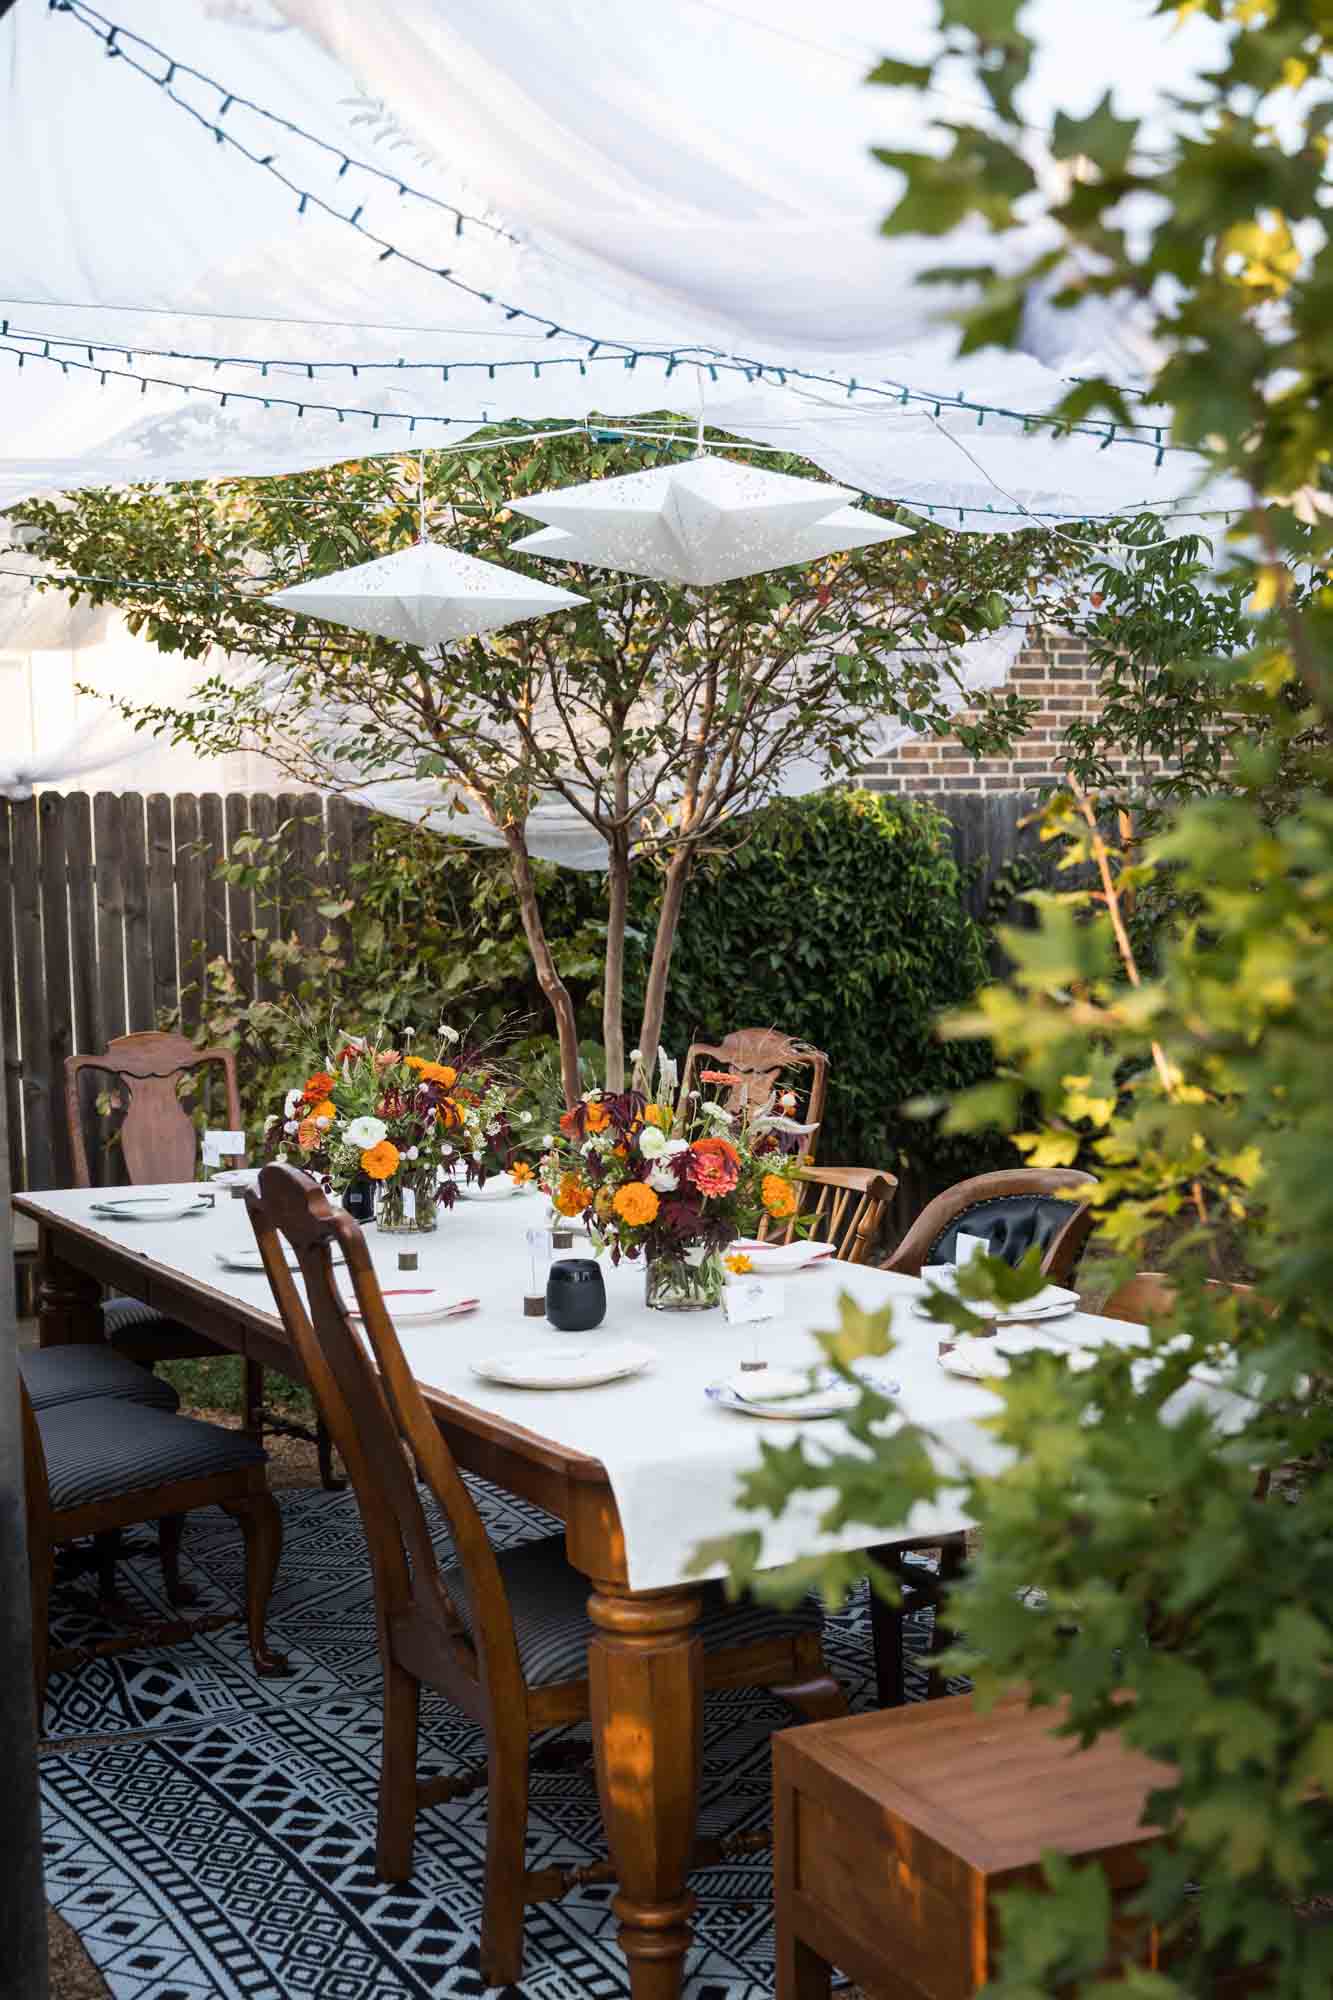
[[120, 1314], [56, 1375], [95, 1450], [548, 1600]]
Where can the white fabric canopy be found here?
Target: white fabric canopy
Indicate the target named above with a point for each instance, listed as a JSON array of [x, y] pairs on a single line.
[[682, 187]]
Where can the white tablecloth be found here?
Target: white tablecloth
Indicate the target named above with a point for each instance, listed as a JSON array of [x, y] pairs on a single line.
[[672, 1457]]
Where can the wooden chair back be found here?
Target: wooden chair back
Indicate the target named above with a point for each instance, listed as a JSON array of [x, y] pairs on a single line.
[[368, 1397], [1022, 1204], [848, 1209], [759, 1056], [158, 1140]]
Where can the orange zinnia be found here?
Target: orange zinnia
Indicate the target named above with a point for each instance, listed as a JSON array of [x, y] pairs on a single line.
[[636, 1204], [327, 1109], [779, 1196], [572, 1196], [598, 1116], [433, 1072], [380, 1161], [319, 1085], [309, 1135], [719, 1076]]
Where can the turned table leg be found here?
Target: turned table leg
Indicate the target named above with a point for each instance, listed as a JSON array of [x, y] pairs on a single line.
[[69, 1302], [645, 1676]]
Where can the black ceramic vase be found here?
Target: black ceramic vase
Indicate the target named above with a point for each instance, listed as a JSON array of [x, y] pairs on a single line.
[[359, 1200], [575, 1294]]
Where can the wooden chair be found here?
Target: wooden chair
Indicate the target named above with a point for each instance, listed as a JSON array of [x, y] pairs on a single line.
[[504, 1636], [759, 1057], [159, 1144], [86, 1474], [1013, 1209], [848, 1210]]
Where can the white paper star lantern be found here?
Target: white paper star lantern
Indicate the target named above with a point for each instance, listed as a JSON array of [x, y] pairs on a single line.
[[701, 522], [425, 596]]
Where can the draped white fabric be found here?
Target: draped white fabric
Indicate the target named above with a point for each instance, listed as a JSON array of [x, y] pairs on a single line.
[[680, 176]]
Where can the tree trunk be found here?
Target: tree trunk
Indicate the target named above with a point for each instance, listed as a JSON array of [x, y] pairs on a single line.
[[552, 985], [654, 999], [613, 989]]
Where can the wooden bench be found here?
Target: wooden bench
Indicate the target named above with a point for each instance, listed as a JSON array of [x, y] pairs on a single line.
[[892, 1830]]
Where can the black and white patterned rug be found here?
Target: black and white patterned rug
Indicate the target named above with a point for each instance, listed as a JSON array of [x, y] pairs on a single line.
[[210, 1835]]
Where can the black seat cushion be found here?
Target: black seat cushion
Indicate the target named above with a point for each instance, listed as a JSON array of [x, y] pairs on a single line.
[[56, 1375], [549, 1603], [95, 1451], [1010, 1223], [120, 1314]]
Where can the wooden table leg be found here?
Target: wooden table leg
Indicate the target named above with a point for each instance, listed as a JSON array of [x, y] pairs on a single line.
[[69, 1302], [645, 1668]]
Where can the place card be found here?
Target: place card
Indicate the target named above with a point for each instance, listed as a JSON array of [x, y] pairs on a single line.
[[219, 1146], [966, 1247], [747, 1298]]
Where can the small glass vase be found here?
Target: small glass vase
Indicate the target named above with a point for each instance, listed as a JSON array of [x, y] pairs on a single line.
[[689, 1281], [396, 1214]]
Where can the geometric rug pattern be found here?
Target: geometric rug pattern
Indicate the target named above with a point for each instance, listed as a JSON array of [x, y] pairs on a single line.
[[210, 1835]]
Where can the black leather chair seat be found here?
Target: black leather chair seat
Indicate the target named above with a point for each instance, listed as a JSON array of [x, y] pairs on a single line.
[[95, 1452], [56, 1376], [120, 1315], [1010, 1223]]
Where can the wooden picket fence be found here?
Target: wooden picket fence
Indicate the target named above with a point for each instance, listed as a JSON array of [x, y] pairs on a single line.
[[110, 910]]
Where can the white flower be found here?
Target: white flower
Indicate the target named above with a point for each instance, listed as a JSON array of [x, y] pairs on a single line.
[[525, 1118], [592, 1097], [290, 1126], [492, 1131], [635, 1055], [408, 1034], [290, 1102], [662, 1178], [326, 1120], [674, 1146], [668, 1070], [652, 1142], [446, 1033], [366, 1132], [412, 1153], [716, 1112], [479, 1157], [271, 1121]]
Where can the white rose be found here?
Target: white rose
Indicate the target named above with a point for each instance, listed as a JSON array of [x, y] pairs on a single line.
[[674, 1146], [366, 1132], [662, 1178], [652, 1142]]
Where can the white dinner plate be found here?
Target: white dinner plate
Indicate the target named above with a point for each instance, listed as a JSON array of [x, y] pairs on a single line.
[[151, 1208], [566, 1366], [978, 1356], [250, 1260], [831, 1396], [241, 1177], [1052, 1302], [769, 1259], [408, 1302]]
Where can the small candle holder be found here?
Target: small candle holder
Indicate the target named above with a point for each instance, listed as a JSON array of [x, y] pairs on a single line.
[[539, 1265], [408, 1260], [562, 1239], [534, 1306]]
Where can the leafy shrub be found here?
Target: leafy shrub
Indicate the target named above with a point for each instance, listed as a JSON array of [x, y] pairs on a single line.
[[840, 919]]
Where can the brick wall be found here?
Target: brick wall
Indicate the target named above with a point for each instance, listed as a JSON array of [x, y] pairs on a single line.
[[1057, 674]]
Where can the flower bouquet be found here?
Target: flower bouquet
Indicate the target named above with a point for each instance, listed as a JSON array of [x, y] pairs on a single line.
[[674, 1178], [405, 1124]]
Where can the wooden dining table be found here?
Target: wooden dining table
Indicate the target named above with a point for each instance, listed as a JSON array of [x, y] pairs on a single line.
[[636, 1470]]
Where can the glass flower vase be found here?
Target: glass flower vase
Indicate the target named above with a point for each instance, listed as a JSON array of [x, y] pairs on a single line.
[[687, 1281], [397, 1213]]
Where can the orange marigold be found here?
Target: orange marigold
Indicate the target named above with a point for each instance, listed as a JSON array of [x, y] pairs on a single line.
[[636, 1204], [433, 1072], [380, 1161], [572, 1196], [325, 1109], [779, 1196], [654, 1114], [319, 1085], [598, 1117]]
